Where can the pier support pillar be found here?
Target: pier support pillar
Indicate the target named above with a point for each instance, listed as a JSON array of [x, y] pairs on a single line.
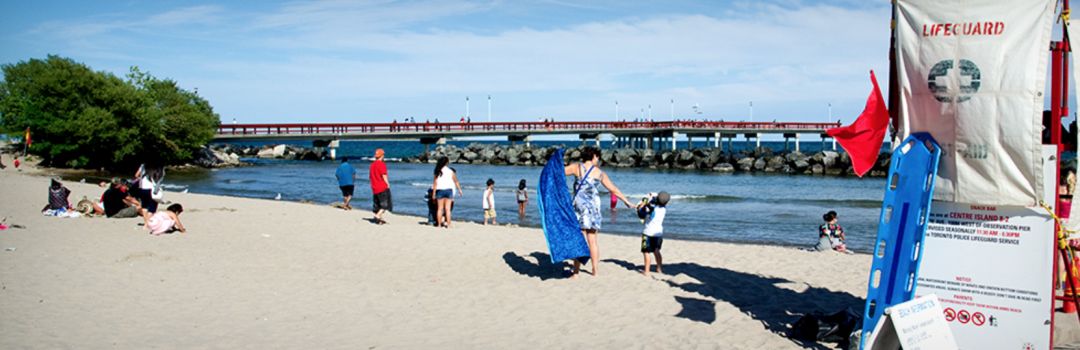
[[716, 141], [333, 145], [674, 136], [649, 142], [787, 140], [428, 141], [519, 138], [585, 137], [755, 137]]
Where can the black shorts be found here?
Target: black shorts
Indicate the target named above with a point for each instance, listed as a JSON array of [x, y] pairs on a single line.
[[383, 201], [347, 190], [651, 244]]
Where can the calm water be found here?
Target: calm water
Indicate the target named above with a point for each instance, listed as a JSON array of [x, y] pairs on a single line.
[[770, 209]]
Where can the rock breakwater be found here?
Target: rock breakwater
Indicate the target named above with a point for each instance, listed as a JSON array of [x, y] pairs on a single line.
[[761, 160]]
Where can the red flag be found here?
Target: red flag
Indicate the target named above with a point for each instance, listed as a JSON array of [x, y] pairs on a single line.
[[862, 139]]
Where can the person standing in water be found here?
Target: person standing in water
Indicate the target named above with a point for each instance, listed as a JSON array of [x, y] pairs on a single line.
[[522, 198], [587, 200]]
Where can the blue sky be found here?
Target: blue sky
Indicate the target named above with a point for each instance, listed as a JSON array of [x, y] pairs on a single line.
[[370, 61]]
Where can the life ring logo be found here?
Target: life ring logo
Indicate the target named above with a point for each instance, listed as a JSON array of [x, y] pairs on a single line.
[[942, 75]]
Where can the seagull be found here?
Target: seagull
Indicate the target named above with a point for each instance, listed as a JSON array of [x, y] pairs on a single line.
[[82, 181], [184, 191], [278, 197]]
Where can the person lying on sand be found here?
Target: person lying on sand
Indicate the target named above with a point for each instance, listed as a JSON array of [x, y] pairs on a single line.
[[166, 221]]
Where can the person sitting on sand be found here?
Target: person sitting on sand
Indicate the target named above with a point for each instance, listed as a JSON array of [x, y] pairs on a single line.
[[831, 235], [489, 203], [58, 197], [652, 237], [118, 203], [587, 200], [522, 198], [166, 221], [346, 177]]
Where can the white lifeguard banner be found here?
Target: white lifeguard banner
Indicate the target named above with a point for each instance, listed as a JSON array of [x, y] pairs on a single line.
[[972, 74]]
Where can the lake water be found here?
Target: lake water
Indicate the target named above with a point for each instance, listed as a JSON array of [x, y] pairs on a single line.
[[769, 209]]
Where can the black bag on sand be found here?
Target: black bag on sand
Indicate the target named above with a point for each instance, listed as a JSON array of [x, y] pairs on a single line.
[[834, 328]]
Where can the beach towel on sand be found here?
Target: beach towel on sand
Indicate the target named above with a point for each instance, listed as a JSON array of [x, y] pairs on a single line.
[[561, 227]]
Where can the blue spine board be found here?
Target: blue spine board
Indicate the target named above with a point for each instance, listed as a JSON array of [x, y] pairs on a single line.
[[561, 228], [901, 227]]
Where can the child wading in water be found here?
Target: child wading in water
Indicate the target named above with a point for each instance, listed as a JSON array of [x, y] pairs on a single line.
[[489, 202], [165, 221], [653, 210], [831, 235]]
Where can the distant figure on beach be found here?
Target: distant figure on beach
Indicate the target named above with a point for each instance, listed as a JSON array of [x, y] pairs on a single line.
[[432, 206], [587, 200], [346, 178], [446, 181], [522, 198], [58, 197], [489, 203], [652, 237], [118, 203], [380, 187], [831, 235], [148, 182], [166, 221]]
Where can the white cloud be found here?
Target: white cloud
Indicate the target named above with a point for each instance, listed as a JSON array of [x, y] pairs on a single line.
[[344, 57]]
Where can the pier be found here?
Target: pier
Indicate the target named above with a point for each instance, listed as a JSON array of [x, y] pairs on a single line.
[[647, 134]]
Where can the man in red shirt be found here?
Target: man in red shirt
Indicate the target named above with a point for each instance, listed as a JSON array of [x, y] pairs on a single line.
[[380, 187]]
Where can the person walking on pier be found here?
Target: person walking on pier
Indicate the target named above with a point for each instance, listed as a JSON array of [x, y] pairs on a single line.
[[380, 187]]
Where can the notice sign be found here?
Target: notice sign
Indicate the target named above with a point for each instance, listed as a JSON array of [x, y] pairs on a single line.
[[913, 325], [990, 266]]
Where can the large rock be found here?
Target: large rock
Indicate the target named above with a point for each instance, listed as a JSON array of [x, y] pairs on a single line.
[[210, 158], [746, 164], [724, 168], [272, 152], [759, 164]]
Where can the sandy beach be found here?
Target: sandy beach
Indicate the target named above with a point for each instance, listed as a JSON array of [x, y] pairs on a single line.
[[268, 274]]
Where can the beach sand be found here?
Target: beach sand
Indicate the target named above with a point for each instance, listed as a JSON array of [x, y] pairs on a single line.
[[267, 274]]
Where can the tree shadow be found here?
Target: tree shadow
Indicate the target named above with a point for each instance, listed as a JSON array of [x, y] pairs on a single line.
[[758, 296], [542, 268]]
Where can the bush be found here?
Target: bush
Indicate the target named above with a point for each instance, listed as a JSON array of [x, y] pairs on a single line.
[[85, 119]]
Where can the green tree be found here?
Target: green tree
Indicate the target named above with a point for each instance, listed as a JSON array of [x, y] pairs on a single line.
[[86, 119]]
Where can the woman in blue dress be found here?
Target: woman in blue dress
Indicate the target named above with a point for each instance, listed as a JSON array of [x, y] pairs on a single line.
[[589, 178]]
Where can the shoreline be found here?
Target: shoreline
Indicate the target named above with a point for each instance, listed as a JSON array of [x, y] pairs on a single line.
[[266, 273], [71, 174]]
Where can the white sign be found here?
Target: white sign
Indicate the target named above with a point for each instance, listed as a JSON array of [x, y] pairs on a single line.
[[914, 325], [991, 267], [972, 74]]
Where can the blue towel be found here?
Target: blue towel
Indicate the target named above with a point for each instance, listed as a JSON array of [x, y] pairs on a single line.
[[561, 227]]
